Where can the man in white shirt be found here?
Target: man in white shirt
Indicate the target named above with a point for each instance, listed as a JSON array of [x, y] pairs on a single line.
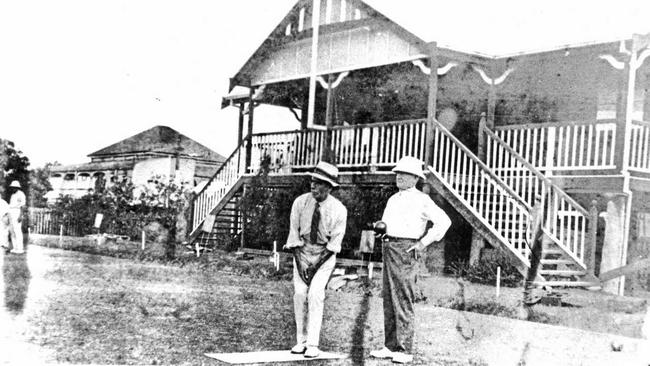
[[316, 230], [406, 216], [16, 204]]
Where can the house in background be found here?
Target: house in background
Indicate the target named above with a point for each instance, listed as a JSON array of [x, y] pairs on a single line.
[[157, 152], [550, 113]]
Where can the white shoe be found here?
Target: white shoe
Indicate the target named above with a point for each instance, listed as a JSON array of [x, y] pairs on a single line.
[[400, 357], [312, 352], [382, 353], [298, 349]]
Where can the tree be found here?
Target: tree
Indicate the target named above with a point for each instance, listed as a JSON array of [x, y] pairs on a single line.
[[40, 184], [15, 166]]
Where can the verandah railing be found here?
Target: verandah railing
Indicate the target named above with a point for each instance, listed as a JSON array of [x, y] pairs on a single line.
[[564, 146], [295, 149], [378, 144], [566, 222], [640, 146]]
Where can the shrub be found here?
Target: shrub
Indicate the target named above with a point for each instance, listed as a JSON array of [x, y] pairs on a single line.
[[485, 271], [128, 210]]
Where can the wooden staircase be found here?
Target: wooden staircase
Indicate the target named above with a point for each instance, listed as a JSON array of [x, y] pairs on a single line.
[[498, 204], [226, 222], [216, 209]]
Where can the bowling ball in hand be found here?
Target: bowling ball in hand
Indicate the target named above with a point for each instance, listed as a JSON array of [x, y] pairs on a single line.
[[379, 227]]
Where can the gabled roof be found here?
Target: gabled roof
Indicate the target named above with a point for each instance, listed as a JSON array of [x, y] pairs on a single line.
[[159, 139], [499, 28]]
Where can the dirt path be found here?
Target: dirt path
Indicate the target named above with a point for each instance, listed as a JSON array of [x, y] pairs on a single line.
[[69, 307]]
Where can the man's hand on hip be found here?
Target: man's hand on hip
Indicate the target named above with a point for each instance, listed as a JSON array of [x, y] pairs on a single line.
[[417, 249]]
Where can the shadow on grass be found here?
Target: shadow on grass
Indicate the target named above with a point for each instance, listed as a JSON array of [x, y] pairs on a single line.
[[358, 335], [16, 281]]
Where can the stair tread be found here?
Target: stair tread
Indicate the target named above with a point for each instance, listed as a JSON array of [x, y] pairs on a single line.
[[562, 272]]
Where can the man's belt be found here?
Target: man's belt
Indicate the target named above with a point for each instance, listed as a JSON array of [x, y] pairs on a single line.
[[396, 238]]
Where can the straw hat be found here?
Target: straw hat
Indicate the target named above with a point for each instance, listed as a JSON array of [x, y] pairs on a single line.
[[15, 184], [410, 165], [326, 172]]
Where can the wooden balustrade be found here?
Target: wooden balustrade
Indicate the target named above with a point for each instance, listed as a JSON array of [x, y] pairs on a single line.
[[295, 149], [216, 188], [564, 146], [566, 221], [492, 201], [378, 144], [640, 146]]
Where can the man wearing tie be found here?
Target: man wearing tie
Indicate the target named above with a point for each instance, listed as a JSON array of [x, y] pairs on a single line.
[[317, 227]]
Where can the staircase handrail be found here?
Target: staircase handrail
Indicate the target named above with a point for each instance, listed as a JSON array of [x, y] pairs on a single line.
[[487, 170], [536, 172], [223, 165], [478, 197], [572, 240], [199, 210]]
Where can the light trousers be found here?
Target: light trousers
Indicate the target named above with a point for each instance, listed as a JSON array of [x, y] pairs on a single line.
[[308, 303], [17, 240]]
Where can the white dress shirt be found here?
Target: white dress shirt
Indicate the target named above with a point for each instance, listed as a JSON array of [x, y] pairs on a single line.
[[331, 229], [407, 213]]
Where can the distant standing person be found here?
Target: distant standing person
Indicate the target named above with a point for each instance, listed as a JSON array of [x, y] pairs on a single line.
[[16, 204], [317, 227], [6, 225], [406, 216]]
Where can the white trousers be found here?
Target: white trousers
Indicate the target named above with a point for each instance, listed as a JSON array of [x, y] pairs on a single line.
[[311, 299], [17, 240]]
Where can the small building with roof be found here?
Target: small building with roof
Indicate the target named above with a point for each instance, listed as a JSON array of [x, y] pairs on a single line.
[[157, 153]]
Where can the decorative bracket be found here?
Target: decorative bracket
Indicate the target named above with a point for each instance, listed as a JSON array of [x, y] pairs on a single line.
[[639, 43], [491, 81], [427, 70], [258, 92], [618, 65], [336, 82]]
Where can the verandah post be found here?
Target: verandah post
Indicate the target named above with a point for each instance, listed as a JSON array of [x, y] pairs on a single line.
[[431, 102], [590, 248], [249, 137], [327, 153]]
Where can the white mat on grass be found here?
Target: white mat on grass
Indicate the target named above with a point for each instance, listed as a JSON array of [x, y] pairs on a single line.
[[268, 356]]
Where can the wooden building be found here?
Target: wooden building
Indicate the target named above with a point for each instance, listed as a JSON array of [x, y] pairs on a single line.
[[567, 125], [158, 152]]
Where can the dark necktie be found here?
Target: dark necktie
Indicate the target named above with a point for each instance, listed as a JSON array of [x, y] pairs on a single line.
[[315, 220]]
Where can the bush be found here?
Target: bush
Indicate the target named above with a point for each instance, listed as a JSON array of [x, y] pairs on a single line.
[[485, 271], [127, 210]]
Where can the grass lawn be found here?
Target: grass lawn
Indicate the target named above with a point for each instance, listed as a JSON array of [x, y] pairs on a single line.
[[87, 308]]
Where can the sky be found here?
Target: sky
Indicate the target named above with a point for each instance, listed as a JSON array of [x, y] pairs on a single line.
[[79, 75]]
